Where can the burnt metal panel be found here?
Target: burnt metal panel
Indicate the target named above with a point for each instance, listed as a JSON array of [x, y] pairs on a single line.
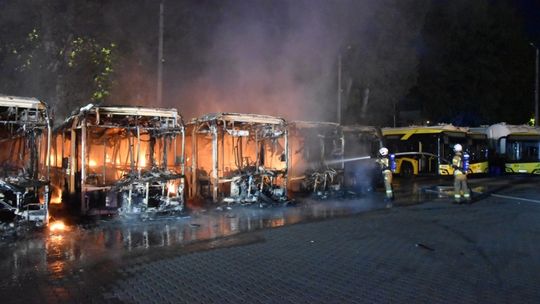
[[238, 158], [122, 159], [24, 160]]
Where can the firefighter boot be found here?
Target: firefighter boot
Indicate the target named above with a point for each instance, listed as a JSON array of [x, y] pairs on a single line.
[[388, 200], [467, 197]]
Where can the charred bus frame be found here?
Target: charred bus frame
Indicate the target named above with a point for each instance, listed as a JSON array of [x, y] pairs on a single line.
[[317, 150], [238, 158], [121, 159], [26, 137], [362, 143]]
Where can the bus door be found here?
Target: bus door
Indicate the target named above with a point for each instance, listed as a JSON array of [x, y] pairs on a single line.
[[427, 148], [450, 139]]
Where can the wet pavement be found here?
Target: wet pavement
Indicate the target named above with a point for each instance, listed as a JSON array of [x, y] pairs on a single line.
[[335, 252]]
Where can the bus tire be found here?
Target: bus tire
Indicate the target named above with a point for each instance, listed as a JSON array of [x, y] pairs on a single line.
[[407, 170]]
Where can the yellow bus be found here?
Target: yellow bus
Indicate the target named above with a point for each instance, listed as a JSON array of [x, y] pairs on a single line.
[[478, 149], [516, 147], [429, 149]]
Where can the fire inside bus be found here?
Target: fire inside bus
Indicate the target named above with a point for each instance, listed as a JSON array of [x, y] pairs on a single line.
[[24, 171], [126, 160], [237, 158]]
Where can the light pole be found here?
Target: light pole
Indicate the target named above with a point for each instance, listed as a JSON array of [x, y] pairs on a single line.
[[535, 85], [159, 90], [339, 91]]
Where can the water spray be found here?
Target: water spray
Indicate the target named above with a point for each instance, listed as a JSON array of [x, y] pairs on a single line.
[[345, 160]]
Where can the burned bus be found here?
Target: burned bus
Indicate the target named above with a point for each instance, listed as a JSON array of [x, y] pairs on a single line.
[[362, 143], [237, 158], [316, 157], [24, 171], [120, 160]]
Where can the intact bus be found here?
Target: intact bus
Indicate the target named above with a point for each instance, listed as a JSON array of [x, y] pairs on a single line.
[[516, 147], [478, 150], [429, 149]]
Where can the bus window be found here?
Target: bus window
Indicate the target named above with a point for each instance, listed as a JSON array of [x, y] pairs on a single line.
[[514, 152], [531, 152]]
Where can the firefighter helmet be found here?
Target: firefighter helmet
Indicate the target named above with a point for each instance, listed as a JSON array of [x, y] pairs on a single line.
[[383, 151], [458, 148]]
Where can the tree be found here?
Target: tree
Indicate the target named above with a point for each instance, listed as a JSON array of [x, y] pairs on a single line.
[[56, 51], [476, 64], [381, 65]]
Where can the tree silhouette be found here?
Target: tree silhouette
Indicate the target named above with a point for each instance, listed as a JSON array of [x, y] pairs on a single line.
[[476, 65]]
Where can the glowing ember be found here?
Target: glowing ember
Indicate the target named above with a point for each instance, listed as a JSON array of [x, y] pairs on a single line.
[[171, 188], [92, 163], [57, 226], [142, 162], [56, 197]]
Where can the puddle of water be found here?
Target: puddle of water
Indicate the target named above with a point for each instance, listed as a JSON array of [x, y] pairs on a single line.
[[57, 253]]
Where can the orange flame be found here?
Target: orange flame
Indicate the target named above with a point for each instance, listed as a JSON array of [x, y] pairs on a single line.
[[56, 197], [92, 163], [57, 226], [172, 188]]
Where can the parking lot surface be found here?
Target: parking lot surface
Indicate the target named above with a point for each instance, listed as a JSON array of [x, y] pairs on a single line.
[[434, 252]]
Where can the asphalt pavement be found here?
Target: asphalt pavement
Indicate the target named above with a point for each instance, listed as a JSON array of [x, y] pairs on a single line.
[[433, 252]]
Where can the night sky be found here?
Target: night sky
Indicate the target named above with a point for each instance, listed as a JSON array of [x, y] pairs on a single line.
[[451, 59], [530, 10]]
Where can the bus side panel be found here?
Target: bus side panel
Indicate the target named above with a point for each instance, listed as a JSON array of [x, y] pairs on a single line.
[[412, 161], [531, 168]]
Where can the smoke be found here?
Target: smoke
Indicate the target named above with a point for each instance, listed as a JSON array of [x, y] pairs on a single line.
[[277, 57], [271, 57]]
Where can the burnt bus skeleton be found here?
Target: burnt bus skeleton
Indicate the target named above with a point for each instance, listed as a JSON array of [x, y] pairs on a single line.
[[238, 158], [24, 169], [316, 164], [361, 173], [126, 160]]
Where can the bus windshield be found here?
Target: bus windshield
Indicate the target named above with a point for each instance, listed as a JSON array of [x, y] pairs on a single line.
[[527, 150], [478, 148]]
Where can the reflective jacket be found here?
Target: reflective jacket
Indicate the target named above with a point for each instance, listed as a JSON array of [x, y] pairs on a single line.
[[384, 162], [457, 163]]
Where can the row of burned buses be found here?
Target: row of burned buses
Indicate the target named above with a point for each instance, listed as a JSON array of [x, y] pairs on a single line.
[[135, 160]]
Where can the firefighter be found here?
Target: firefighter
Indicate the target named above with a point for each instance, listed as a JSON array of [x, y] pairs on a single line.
[[384, 161], [460, 176]]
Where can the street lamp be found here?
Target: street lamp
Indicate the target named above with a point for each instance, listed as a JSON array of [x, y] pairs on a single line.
[[159, 87], [339, 91], [535, 86]]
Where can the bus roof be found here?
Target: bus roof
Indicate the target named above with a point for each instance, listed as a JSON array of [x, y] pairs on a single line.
[[239, 117], [499, 130], [21, 102], [313, 124], [120, 113], [409, 131]]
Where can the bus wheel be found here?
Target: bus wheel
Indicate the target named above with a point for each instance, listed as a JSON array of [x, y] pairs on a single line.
[[407, 170]]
